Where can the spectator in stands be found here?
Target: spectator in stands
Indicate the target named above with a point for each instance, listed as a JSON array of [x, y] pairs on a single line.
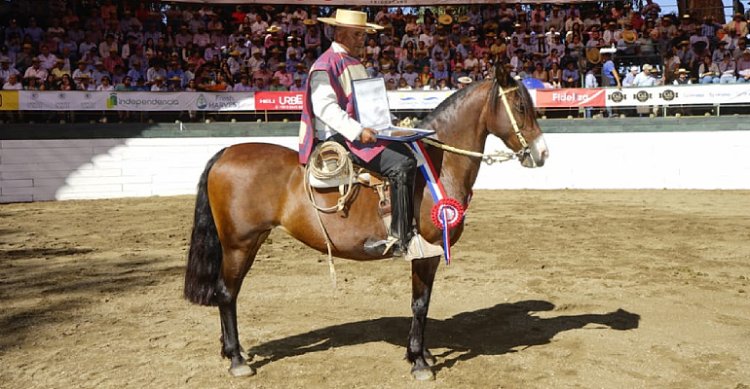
[[630, 77], [743, 67], [727, 69], [708, 72], [682, 77], [158, 84], [35, 70], [738, 25], [105, 84], [6, 70], [12, 83]]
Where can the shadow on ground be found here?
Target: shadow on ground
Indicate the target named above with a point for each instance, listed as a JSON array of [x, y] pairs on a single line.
[[496, 330]]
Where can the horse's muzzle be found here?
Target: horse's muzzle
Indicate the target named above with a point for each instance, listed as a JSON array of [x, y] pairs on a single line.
[[537, 153]]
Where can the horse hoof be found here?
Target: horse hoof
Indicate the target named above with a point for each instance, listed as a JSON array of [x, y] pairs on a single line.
[[241, 371], [424, 374]]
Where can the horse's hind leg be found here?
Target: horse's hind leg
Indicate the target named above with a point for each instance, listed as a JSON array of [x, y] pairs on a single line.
[[422, 277], [236, 262]]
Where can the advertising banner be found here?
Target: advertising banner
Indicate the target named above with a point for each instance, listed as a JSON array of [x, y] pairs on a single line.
[[134, 101], [417, 99], [569, 98], [279, 101], [712, 94], [388, 3], [9, 101]]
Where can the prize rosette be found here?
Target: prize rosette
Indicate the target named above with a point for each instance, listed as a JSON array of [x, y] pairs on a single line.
[[454, 212]]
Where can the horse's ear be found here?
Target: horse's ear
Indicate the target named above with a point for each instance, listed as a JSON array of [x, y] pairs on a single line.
[[502, 74]]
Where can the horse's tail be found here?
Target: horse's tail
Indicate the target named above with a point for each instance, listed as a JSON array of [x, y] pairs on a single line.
[[204, 257]]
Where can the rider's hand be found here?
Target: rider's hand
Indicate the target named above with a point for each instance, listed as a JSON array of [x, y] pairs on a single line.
[[368, 135]]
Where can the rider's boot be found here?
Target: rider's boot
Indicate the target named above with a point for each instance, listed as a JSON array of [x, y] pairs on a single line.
[[402, 211]]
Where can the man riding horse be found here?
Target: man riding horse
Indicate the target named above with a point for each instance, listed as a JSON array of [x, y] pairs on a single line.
[[328, 114]]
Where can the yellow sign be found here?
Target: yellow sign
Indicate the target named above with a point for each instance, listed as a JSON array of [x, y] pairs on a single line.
[[9, 101]]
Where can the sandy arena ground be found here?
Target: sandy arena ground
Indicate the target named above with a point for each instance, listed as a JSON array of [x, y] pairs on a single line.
[[549, 289]]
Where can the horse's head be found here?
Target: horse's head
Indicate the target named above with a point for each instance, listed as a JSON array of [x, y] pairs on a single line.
[[511, 117]]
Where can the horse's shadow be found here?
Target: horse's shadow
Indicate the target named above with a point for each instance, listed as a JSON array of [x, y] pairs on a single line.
[[496, 330]]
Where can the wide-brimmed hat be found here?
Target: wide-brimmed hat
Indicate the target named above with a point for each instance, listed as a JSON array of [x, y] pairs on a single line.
[[445, 19], [608, 50], [464, 80], [593, 56], [629, 36], [463, 19], [273, 29], [350, 18], [309, 22], [682, 71]]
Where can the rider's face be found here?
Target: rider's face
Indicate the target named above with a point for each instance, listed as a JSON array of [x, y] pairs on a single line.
[[353, 39]]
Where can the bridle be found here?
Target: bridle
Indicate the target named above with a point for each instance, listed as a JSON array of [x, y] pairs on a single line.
[[525, 149], [497, 156]]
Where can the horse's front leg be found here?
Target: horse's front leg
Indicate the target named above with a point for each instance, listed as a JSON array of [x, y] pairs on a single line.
[[422, 276]]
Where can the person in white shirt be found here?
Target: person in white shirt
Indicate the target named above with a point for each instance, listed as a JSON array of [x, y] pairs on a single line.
[[323, 117], [644, 78], [12, 83], [590, 82]]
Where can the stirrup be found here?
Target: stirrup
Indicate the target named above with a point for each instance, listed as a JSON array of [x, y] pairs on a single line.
[[389, 243]]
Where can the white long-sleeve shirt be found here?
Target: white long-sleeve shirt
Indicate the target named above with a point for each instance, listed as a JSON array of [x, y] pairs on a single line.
[[329, 117]]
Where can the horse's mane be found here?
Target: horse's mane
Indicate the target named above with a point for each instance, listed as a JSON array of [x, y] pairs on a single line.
[[493, 96], [450, 101]]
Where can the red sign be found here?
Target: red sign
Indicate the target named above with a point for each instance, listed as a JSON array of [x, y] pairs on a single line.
[[570, 98], [279, 101]]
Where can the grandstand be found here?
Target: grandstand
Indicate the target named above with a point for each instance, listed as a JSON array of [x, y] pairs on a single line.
[[162, 47]]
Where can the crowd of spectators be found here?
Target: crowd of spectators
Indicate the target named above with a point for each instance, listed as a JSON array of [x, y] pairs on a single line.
[[153, 46]]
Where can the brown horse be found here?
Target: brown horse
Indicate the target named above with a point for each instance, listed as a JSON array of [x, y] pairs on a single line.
[[248, 189]]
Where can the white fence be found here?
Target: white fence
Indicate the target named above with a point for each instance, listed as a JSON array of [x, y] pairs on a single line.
[[34, 170]]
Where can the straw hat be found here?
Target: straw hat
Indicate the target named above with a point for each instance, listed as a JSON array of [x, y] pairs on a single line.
[[273, 29], [463, 19], [350, 18], [593, 56], [465, 80], [445, 19], [608, 50], [629, 36], [309, 22], [682, 71]]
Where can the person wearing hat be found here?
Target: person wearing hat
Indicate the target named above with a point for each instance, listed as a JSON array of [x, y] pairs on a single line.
[[328, 113], [682, 77], [284, 77], [6, 70], [627, 82], [59, 70], [35, 70], [720, 51], [409, 74], [298, 85], [256, 59]]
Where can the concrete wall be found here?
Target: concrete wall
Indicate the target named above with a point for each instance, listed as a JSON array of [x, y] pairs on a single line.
[[34, 170]]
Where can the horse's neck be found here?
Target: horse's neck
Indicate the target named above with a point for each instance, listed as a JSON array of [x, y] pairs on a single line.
[[461, 127]]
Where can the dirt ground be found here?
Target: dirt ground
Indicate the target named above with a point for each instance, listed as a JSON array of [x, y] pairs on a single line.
[[548, 289]]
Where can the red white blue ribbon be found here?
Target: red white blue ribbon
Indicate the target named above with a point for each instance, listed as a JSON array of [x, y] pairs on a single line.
[[447, 212]]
